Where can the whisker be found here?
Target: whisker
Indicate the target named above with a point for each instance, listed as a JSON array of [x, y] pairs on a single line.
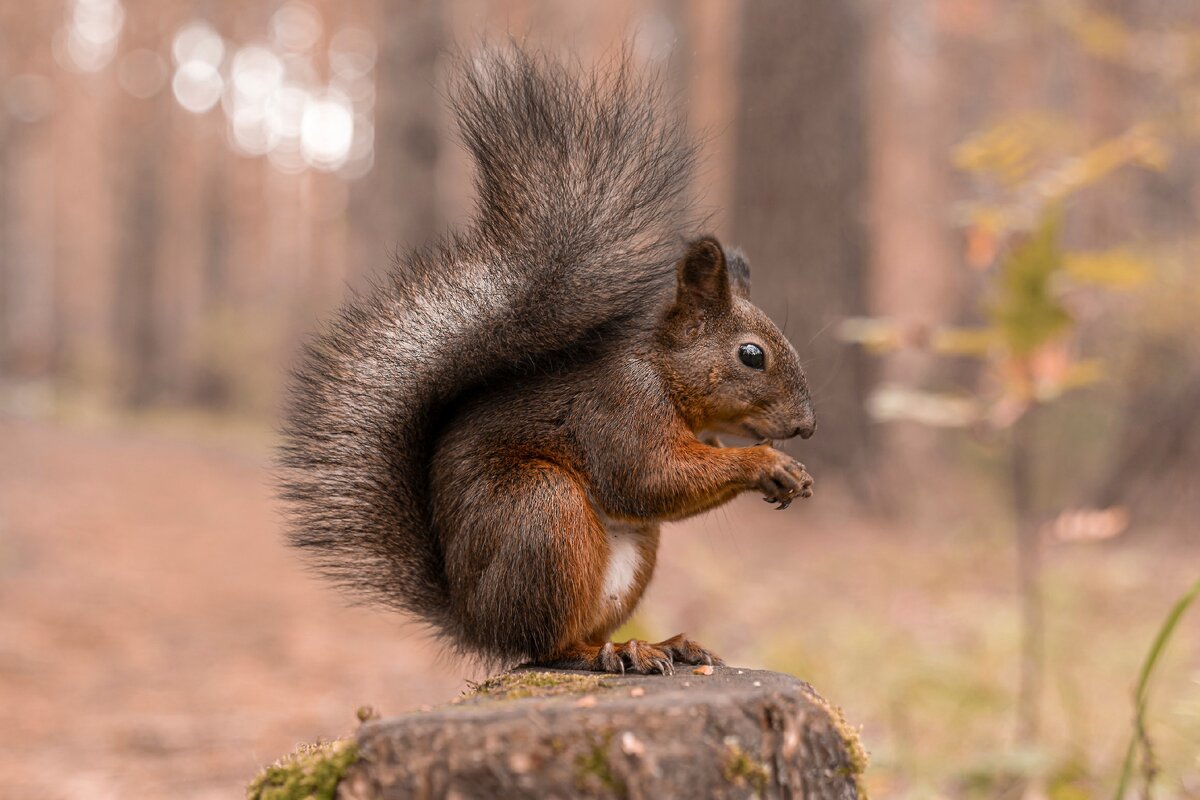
[[824, 328]]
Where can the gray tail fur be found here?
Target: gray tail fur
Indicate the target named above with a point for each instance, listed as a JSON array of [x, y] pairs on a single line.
[[581, 210]]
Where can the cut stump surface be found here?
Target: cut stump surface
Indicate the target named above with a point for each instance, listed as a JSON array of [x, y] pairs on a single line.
[[561, 733]]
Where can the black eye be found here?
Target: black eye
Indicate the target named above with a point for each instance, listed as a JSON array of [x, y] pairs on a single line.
[[751, 355]]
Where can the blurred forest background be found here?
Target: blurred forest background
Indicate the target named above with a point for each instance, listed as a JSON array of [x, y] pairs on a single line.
[[977, 220]]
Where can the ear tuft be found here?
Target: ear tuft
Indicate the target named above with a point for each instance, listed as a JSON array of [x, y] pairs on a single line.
[[703, 276], [739, 274]]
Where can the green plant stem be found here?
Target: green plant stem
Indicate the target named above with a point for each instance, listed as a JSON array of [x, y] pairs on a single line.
[[1029, 569], [1140, 694]]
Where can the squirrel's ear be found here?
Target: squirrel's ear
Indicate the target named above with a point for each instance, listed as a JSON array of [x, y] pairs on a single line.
[[739, 274], [703, 277]]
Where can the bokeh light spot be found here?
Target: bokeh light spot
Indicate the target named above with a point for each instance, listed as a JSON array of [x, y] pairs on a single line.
[[197, 86], [88, 42], [256, 72], [327, 131], [198, 41], [296, 26]]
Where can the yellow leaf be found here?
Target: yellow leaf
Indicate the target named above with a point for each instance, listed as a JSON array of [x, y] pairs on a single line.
[[1147, 147], [1083, 373], [1025, 310], [1103, 35], [1117, 269], [1012, 148], [876, 335], [963, 341], [1140, 145]]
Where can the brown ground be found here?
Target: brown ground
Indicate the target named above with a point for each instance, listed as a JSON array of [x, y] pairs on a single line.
[[157, 640]]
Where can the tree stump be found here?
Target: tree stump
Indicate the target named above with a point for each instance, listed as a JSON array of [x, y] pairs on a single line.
[[561, 733]]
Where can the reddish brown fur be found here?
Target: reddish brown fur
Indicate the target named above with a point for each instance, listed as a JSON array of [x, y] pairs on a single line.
[[533, 482]]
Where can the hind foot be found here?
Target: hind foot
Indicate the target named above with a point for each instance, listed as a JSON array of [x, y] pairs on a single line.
[[635, 656], [632, 656]]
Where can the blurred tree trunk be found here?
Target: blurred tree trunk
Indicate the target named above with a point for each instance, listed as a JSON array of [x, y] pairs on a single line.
[[7, 295], [138, 253], [8, 219], [212, 383], [29, 334], [395, 205], [30, 318], [1157, 455], [706, 63], [798, 201], [1156, 458]]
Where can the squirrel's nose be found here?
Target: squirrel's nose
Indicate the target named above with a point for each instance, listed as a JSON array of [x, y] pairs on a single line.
[[805, 431], [807, 426]]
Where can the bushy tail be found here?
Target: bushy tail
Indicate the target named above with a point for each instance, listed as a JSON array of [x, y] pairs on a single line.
[[581, 183]]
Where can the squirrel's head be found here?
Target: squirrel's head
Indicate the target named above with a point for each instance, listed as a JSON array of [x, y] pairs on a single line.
[[732, 369]]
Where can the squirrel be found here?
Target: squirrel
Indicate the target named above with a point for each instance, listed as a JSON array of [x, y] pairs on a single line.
[[490, 438]]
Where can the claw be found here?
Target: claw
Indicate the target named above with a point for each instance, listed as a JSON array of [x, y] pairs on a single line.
[[783, 505]]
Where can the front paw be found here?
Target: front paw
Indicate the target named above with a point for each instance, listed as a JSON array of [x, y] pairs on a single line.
[[784, 479], [683, 650]]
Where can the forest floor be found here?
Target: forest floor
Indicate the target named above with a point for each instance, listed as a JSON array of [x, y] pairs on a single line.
[[158, 640]]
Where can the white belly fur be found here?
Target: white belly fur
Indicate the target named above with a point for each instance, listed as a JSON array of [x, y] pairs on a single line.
[[624, 559]]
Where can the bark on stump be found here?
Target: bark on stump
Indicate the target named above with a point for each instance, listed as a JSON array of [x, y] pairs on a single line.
[[559, 733]]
